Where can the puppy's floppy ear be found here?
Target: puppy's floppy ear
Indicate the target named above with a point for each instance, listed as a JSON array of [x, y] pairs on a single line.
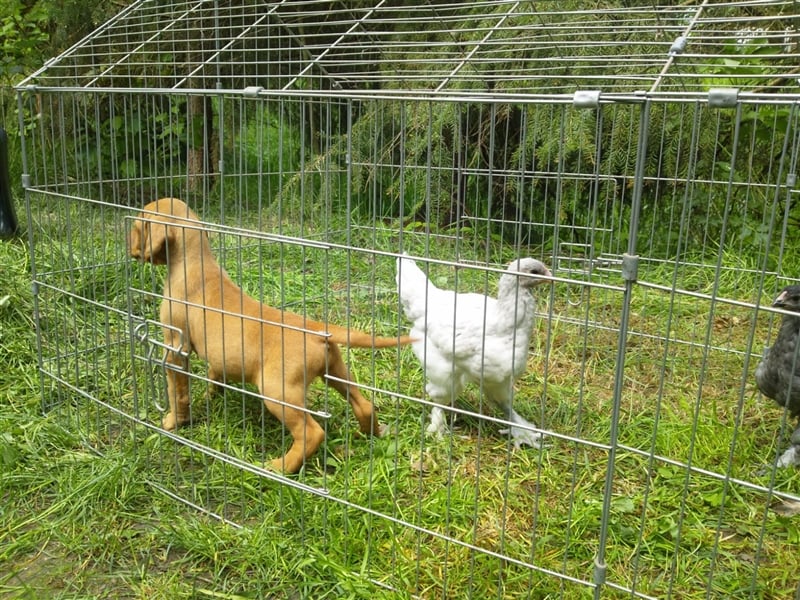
[[155, 240], [148, 241]]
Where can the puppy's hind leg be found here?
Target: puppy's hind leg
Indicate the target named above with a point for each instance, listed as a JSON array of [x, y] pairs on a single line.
[[363, 409], [307, 435]]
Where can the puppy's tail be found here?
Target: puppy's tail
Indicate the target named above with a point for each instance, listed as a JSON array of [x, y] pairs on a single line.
[[361, 339]]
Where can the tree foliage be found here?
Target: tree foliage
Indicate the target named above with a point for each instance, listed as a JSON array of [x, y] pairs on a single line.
[[549, 162], [437, 162]]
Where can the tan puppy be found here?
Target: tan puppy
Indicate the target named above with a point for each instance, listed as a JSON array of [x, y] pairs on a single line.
[[242, 339]]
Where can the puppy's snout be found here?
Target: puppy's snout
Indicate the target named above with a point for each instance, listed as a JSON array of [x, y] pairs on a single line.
[[132, 238]]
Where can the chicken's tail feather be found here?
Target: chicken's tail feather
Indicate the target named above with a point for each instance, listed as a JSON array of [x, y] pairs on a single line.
[[414, 288]]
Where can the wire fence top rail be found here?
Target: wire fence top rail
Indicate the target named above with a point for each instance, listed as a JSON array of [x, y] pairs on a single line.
[[506, 48]]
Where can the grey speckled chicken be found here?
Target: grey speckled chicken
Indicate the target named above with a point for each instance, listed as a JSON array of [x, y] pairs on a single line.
[[778, 373]]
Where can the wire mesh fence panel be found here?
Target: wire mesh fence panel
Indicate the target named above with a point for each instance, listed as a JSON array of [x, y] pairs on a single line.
[[582, 423]]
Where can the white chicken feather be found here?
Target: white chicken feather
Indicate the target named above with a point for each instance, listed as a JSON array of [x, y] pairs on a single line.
[[472, 338]]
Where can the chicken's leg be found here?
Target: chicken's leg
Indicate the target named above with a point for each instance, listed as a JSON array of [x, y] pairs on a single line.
[[792, 455], [524, 434], [521, 430], [443, 388], [438, 424]]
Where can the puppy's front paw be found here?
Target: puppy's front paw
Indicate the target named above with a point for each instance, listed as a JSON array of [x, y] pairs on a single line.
[[276, 464], [170, 423]]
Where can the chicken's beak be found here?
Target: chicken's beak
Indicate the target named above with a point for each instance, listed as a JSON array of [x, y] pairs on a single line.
[[780, 301]]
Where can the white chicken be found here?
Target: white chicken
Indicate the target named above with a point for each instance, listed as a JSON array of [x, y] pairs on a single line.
[[472, 338]]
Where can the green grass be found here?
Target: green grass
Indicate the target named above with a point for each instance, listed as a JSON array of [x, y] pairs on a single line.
[[82, 508]]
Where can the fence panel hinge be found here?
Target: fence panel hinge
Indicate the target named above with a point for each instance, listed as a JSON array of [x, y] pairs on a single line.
[[630, 267], [586, 99], [253, 90], [679, 45], [599, 573], [723, 97]]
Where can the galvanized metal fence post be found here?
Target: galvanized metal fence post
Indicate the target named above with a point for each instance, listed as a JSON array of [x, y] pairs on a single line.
[[630, 262]]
